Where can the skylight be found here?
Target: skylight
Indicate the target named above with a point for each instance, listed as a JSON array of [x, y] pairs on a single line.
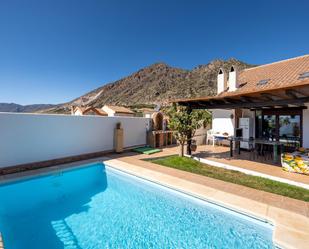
[[304, 75], [263, 82]]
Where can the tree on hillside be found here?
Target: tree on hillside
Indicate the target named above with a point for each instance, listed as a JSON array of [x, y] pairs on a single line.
[[184, 123]]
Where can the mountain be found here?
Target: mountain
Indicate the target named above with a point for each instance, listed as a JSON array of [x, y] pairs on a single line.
[[152, 85], [156, 84], [12, 107]]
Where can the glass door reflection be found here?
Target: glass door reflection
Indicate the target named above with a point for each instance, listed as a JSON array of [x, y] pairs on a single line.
[[269, 127]]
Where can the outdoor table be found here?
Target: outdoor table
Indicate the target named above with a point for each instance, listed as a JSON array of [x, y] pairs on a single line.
[[275, 145], [218, 137], [237, 140]]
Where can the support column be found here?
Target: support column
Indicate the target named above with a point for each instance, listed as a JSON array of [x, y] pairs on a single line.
[[189, 135], [118, 138]]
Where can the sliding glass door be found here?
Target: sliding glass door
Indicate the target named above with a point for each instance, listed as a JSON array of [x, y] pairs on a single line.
[[289, 130], [269, 126], [283, 125]]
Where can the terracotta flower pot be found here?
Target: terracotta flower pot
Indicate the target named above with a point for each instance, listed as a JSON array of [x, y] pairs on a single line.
[[193, 147]]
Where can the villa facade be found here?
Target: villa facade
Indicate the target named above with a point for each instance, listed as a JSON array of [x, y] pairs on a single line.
[[272, 100]]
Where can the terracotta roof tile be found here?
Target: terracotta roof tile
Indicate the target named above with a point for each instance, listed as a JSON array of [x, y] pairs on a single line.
[[87, 109], [120, 109], [279, 74]]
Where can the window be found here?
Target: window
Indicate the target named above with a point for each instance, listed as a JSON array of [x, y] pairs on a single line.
[[304, 75], [263, 82]]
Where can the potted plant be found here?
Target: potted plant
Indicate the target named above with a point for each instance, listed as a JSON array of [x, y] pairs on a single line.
[[193, 145]]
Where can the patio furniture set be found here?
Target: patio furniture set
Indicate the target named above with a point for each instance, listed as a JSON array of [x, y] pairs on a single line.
[[258, 147], [297, 161], [216, 137]]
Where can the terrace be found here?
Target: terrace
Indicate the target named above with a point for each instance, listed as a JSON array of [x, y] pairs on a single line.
[[244, 161]]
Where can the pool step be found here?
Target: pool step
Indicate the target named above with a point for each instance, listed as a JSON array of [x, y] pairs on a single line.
[[65, 234], [1, 242], [57, 173]]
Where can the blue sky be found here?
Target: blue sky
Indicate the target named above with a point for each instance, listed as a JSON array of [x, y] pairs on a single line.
[[54, 51]]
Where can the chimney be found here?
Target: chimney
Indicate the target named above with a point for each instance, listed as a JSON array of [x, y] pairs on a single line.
[[233, 79], [72, 110], [221, 81]]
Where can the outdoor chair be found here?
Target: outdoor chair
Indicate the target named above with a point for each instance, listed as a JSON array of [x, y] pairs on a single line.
[[210, 137], [253, 150], [267, 152], [256, 151]]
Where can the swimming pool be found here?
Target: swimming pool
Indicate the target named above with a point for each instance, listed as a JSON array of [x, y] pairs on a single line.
[[97, 206]]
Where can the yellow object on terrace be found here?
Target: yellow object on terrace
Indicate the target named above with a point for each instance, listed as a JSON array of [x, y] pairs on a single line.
[[297, 161]]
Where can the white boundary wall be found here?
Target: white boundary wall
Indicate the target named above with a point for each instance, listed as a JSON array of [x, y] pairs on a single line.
[[26, 138]]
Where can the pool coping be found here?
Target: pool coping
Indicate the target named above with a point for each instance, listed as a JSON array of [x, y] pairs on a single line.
[[291, 230]]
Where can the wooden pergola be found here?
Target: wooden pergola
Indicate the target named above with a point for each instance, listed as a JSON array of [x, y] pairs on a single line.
[[277, 98], [280, 98]]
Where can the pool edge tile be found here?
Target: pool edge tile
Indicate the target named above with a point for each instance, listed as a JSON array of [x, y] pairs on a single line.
[[287, 238]]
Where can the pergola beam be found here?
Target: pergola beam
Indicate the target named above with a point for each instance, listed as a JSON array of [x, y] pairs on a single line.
[[246, 99], [251, 99], [269, 96], [260, 104], [232, 101], [297, 92], [291, 94]]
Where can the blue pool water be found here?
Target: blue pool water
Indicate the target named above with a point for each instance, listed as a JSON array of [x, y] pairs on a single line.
[[99, 207]]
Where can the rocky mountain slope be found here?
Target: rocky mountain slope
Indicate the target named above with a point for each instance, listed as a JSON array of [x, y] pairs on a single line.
[[12, 107], [156, 84]]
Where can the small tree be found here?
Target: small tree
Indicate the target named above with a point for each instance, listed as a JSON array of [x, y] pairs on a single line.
[[185, 123]]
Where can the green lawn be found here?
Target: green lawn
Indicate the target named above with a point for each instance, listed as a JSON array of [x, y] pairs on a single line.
[[193, 166]]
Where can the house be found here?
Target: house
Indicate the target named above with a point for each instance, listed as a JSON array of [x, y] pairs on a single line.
[[113, 110], [147, 112], [273, 97], [89, 110]]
